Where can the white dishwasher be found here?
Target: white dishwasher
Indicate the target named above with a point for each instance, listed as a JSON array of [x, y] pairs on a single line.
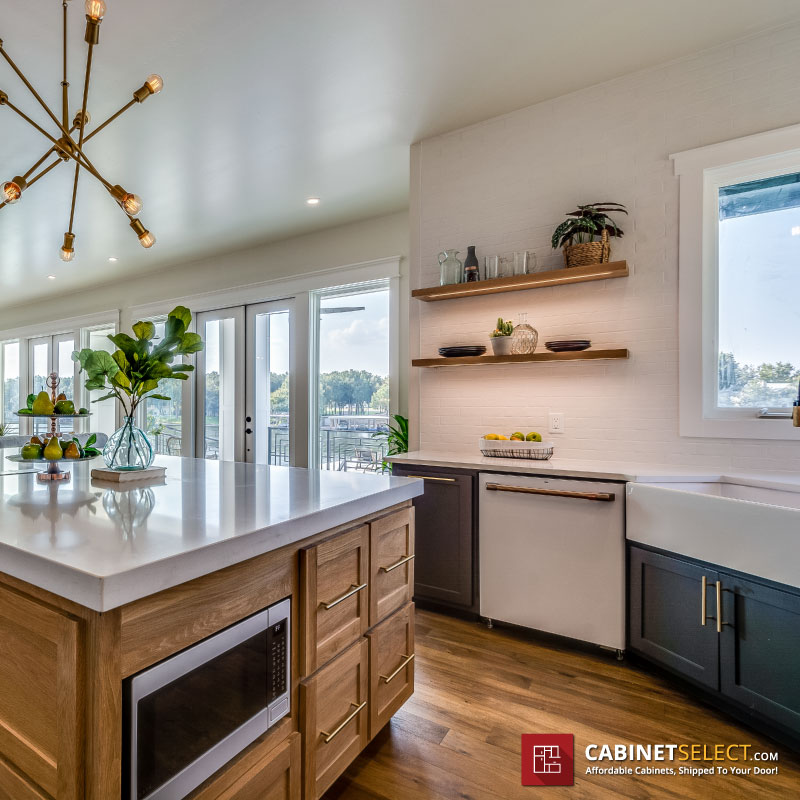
[[552, 555]]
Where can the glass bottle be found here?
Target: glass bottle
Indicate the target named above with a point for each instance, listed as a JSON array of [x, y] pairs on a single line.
[[471, 265], [450, 268], [524, 338]]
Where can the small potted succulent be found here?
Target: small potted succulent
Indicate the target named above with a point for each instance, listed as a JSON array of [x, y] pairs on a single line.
[[578, 235], [501, 337]]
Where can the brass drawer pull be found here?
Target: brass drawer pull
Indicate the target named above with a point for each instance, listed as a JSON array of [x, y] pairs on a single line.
[[703, 601], [403, 560], [329, 737], [429, 478], [405, 662], [349, 593], [603, 497], [720, 623]]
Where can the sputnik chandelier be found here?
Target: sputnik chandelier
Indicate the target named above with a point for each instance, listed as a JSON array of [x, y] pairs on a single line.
[[66, 146]]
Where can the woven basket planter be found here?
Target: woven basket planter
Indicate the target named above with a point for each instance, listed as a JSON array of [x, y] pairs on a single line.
[[582, 255]]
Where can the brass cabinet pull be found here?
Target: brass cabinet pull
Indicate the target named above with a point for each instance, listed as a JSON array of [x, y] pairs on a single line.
[[403, 664], [720, 623], [602, 497], [329, 737], [703, 602], [403, 560], [349, 593], [429, 478]]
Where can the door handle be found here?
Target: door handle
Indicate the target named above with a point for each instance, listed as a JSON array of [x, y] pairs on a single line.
[[703, 601], [399, 563], [429, 478], [602, 497], [403, 664], [349, 593], [329, 737]]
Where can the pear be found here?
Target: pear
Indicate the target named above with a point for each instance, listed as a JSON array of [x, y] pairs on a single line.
[[36, 440], [72, 451], [43, 404], [62, 396], [53, 451]]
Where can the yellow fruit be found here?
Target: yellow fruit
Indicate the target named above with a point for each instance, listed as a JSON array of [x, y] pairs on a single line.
[[492, 436], [53, 452], [43, 404], [72, 451], [517, 435], [504, 438], [534, 437]]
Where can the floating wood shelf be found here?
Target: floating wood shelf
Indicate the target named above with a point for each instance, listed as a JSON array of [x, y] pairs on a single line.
[[538, 280], [476, 361]]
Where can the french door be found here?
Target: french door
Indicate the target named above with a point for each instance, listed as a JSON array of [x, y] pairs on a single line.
[[48, 354], [243, 382]]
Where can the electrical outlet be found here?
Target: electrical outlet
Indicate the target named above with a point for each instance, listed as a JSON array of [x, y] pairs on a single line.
[[557, 422]]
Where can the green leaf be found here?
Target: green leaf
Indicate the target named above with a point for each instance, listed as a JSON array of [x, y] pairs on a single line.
[[158, 397], [159, 370], [148, 386], [91, 440], [104, 397], [81, 355], [191, 343], [120, 359], [121, 379], [183, 314], [144, 330], [29, 401]]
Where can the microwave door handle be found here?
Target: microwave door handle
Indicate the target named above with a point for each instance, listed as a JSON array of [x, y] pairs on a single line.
[[600, 497]]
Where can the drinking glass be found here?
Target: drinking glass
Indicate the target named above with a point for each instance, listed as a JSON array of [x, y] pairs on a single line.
[[491, 267], [521, 262]]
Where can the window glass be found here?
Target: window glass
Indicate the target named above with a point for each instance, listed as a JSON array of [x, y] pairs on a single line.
[[353, 381], [163, 417], [10, 386], [759, 287], [104, 417]]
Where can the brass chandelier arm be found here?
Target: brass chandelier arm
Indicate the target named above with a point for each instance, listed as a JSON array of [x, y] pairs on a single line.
[[64, 82], [80, 135], [40, 175], [110, 120], [85, 163], [38, 163]]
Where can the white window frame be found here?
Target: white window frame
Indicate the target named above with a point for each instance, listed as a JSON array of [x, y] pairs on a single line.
[[701, 172]]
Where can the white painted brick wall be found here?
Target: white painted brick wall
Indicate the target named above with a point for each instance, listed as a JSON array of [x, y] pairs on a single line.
[[504, 184]]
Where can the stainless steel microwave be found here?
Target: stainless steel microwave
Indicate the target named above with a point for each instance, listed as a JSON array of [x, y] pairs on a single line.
[[190, 714]]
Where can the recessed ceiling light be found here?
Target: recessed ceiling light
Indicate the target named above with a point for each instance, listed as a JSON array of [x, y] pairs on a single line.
[[51, 277], [312, 201], [113, 259]]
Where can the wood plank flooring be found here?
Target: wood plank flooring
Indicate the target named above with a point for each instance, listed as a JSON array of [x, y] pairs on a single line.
[[477, 690]]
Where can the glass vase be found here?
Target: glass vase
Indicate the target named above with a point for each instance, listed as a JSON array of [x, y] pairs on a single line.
[[128, 448], [524, 337]]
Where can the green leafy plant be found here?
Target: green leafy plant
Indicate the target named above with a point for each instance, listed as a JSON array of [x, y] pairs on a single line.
[[134, 370], [587, 223], [3, 429], [503, 328], [396, 438]]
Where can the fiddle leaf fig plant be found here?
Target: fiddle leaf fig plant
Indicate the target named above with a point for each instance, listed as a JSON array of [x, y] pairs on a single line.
[[134, 370]]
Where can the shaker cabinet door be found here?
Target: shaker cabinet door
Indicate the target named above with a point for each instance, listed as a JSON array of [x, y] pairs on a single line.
[[665, 615], [445, 538], [759, 647]]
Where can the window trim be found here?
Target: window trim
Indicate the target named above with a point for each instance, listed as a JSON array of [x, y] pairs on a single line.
[[701, 171]]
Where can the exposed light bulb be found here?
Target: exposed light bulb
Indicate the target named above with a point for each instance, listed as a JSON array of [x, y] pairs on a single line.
[[312, 201], [68, 250], [131, 204], [147, 239], [51, 277], [113, 259], [96, 9], [155, 83], [11, 192]]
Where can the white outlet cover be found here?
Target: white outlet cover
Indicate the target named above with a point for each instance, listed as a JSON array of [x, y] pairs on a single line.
[[557, 422]]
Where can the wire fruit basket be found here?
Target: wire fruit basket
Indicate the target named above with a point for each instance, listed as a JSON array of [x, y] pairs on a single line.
[[502, 448]]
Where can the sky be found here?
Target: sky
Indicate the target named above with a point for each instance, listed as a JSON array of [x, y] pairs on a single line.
[[759, 282]]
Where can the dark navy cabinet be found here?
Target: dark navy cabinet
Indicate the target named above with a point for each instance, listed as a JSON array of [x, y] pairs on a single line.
[[665, 620], [749, 662], [445, 568]]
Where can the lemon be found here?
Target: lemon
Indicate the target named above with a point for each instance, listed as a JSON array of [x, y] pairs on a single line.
[[534, 437], [492, 436], [504, 438]]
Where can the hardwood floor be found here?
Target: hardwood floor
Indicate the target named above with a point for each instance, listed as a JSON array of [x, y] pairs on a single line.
[[477, 690]]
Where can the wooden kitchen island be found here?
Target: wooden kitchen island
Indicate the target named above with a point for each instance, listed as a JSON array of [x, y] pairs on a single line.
[[99, 582]]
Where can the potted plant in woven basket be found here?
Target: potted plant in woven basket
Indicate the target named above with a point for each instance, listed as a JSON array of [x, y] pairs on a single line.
[[585, 233]]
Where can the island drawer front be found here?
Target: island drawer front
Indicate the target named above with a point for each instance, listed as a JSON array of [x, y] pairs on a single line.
[[274, 776], [41, 677], [15, 787], [391, 563], [391, 666], [334, 713], [335, 590]]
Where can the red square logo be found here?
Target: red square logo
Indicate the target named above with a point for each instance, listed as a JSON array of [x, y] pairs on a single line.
[[547, 759]]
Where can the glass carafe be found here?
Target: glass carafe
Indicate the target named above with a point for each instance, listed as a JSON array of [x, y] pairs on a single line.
[[450, 268], [524, 338]]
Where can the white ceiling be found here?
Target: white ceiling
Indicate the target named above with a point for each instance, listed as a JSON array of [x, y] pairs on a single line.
[[268, 102]]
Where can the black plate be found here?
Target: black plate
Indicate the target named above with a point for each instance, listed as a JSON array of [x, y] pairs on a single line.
[[566, 348], [463, 350]]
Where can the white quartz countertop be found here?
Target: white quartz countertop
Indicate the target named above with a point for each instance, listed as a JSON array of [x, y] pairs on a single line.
[[630, 472], [103, 545]]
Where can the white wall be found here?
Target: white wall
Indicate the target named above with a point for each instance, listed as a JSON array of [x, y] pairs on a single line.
[[504, 185]]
